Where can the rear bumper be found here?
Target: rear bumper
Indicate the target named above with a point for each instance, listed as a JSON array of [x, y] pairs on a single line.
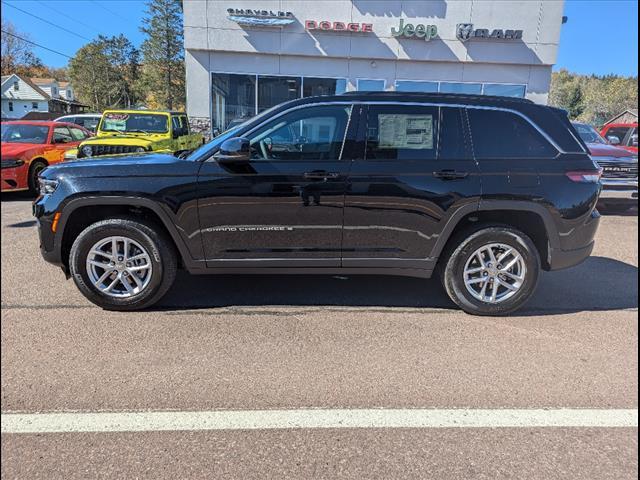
[[584, 236], [561, 259]]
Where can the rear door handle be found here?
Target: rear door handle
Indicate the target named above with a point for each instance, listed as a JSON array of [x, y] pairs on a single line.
[[450, 174], [320, 175]]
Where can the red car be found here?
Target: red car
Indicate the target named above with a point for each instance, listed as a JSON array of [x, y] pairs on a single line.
[[623, 135], [29, 146], [619, 169]]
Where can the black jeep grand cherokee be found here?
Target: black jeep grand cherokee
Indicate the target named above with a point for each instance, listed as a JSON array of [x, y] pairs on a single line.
[[485, 191]]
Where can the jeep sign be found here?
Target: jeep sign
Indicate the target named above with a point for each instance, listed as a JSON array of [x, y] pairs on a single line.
[[418, 31]]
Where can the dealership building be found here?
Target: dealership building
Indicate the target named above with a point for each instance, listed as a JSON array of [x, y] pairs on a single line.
[[244, 57]]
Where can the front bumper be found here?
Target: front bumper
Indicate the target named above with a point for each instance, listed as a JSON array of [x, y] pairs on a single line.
[[14, 179], [619, 189]]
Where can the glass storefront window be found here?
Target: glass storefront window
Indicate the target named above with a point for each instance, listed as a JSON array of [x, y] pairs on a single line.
[[504, 90], [275, 90], [411, 86], [365, 85], [323, 86], [453, 87], [233, 99]]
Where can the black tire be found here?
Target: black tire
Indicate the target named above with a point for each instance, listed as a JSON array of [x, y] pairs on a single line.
[[35, 168], [159, 247], [464, 246]]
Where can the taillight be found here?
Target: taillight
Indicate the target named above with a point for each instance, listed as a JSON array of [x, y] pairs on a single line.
[[586, 176]]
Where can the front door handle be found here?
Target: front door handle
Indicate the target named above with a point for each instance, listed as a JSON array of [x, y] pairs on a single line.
[[320, 175], [450, 174]]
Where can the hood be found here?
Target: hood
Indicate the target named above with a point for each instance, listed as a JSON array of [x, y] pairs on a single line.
[[123, 168], [17, 149], [602, 150], [133, 161]]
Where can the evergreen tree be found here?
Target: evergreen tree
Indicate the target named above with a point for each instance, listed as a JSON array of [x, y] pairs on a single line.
[[163, 54]]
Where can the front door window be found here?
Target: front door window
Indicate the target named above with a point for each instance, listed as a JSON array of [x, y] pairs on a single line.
[[308, 134]]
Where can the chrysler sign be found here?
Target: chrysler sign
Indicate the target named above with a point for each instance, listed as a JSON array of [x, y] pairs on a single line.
[[260, 18]]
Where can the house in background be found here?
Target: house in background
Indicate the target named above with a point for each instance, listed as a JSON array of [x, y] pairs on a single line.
[[45, 96], [628, 116]]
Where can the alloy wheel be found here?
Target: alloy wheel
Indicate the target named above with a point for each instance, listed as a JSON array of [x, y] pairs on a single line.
[[119, 267], [494, 273]]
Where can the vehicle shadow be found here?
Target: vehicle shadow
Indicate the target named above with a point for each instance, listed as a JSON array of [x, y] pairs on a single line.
[[22, 196], [598, 284]]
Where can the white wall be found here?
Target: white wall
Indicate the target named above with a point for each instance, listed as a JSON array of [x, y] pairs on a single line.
[[208, 28], [21, 108]]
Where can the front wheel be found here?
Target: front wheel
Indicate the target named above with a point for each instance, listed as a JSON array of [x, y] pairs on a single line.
[[122, 264], [34, 170], [493, 271]]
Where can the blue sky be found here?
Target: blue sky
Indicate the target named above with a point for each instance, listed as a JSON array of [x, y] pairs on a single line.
[[601, 36], [86, 18]]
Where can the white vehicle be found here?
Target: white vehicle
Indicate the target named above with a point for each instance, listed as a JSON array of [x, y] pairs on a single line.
[[87, 120]]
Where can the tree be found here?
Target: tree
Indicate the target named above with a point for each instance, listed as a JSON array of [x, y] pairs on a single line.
[[16, 54], [591, 98], [607, 96], [566, 92], [105, 73], [163, 55]]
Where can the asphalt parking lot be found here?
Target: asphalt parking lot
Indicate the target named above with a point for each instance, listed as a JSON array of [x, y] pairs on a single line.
[[286, 343]]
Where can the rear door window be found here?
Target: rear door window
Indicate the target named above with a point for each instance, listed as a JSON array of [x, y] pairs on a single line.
[[184, 122], [412, 133], [402, 132], [62, 135], [452, 144], [77, 134], [497, 134]]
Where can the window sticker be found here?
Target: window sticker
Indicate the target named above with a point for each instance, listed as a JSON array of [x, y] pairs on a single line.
[[405, 131], [115, 121]]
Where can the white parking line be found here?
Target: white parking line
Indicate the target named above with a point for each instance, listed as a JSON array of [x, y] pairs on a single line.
[[315, 418]]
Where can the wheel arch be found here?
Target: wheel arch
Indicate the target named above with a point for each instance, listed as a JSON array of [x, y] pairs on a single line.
[[82, 212], [532, 219]]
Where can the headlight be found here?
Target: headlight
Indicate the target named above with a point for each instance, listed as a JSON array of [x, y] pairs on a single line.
[[70, 155], [47, 186], [86, 151], [12, 163]]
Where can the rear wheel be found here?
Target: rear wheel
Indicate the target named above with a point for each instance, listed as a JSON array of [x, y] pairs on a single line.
[[122, 264], [35, 169], [492, 271]]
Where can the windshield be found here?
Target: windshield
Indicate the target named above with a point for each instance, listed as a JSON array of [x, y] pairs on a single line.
[[208, 148], [25, 133], [589, 134], [134, 123]]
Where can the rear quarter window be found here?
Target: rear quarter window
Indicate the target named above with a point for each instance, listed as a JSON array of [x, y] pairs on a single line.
[[500, 134]]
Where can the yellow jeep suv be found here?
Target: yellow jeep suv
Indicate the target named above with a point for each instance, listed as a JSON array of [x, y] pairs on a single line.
[[138, 131]]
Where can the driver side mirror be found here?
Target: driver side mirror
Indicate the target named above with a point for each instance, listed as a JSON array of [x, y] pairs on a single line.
[[60, 140], [634, 140], [236, 149], [613, 140]]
